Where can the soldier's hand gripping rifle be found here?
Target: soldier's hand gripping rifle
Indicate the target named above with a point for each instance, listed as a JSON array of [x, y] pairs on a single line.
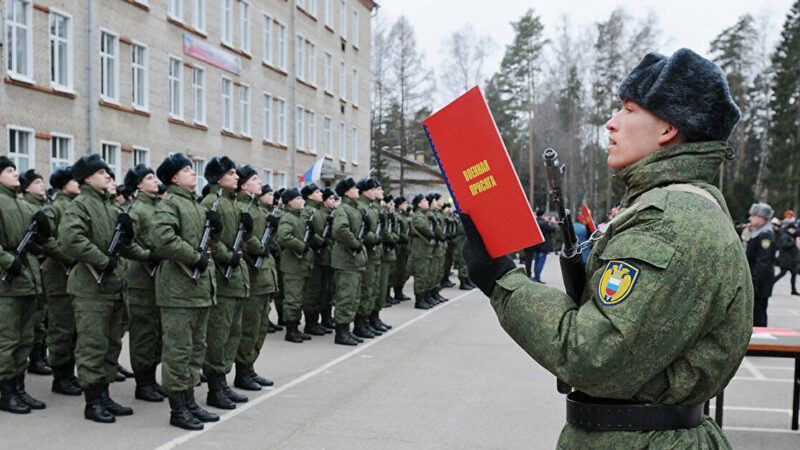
[[433, 232], [378, 231], [237, 243], [113, 248], [206, 237], [572, 268], [24, 244], [361, 231], [309, 230], [265, 238], [326, 232]]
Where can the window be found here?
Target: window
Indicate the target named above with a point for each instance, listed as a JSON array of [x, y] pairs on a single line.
[[342, 81], [342, 142], [355, 87], [60, 151], [199, 15], [329, 13], [267, 176], [267, 44], [301, 3], [139, 76], [355, 28], [299, 129], [20, 148], [199, 94], [176, 10], [312, 7], [244, 33], [312, 132], [109, 66], [327, 138], [141, 155], [60, 50], [312, 63], [299, 58], [343, 19], [19, 43], [328, 72], [281, 121], [200, 169], [282, 46], [227, 104], [281, 180], [227, 22], [244, 106], [267, 117], [175, 87], [354, 151], [109, 152]]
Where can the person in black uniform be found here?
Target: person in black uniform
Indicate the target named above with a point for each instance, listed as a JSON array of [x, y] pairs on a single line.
[[761, 258]]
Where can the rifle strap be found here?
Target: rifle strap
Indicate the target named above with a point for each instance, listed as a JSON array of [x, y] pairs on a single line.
[[424, 239]]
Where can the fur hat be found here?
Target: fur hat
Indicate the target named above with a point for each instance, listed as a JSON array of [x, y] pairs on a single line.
[[28, 177], [276, 199], [687, 90], [398, 201], [266, 188], [376, 182], [60, 177], [135, 176], [365, 184], [170, 166], [162, 188], [5, 162], [387, 198], [308, 190], [217, 168], [327, 193], [433, 196], [123, 190], [289, 195], [761, 210], [344, 185], [86, 166], [245, 172], [417, 198]]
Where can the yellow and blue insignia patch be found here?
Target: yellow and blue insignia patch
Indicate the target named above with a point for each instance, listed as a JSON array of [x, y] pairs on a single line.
[[617, 282], [765, 243]]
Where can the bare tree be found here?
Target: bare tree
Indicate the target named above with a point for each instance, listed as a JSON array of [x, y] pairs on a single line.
[[464, 53], [381, 91]]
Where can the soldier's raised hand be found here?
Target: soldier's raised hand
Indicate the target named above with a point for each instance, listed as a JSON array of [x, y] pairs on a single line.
[[483, 270]]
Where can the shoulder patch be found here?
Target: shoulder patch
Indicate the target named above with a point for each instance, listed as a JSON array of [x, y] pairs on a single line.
[[617, 282], [766, 243]]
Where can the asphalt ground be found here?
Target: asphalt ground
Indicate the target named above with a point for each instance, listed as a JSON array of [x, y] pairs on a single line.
[[444, 378]]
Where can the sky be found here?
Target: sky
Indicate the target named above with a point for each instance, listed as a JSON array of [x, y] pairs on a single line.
[[684, 23]]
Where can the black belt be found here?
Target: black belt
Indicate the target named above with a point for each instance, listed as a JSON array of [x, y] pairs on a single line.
[[604, 414]]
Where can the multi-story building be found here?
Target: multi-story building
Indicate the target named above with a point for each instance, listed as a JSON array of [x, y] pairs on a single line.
[[277, 84]]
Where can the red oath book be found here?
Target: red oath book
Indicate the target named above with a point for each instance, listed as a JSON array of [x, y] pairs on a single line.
[[479, 174]]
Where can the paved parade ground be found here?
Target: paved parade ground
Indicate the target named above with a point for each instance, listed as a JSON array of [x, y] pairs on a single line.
[[444, 378]]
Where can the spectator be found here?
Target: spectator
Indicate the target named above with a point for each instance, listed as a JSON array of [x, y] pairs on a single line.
[[788, 253], [540, 251], [760, 256]]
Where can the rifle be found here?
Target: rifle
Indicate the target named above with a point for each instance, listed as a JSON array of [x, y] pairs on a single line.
[[361, 232], [206, 237], [265, 239], [433, 232], [113, 247], [239, 236], [572, 268], [22, 248], [326, 232], [378, 231], [307, 234]]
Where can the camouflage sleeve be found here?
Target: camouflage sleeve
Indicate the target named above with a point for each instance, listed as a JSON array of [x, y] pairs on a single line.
[[73, 237], [420, 224], [166, 238], [318, 226], [341, 231], [56, 251], [6, 258], [286, 237]]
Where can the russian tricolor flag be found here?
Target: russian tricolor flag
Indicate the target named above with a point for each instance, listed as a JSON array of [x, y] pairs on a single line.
[[314, 173]]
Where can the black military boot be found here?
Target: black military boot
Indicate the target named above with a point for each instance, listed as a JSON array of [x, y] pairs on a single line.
[[37, 362], [242, 380], [372, 329], [327, 318], [22, 395], [94, 409], [350, 333], [399, 296], [439, 296], [233, 395], [388, 302], [446, 283], [464, 285], [431, 299], [146, 385], [361, 329], [376, 322], [312, 325], [292, 335], [125, 372], [343, 335], [216, 395], [62, 381], [420, 303], [179, 416], [9, 400], [196, 410], [113, 407], [258, 378]]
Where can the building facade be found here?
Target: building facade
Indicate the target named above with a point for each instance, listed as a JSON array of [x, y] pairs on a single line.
[[276, 84]]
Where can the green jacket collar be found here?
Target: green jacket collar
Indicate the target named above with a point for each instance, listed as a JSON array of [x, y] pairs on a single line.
[[227, 193], [181, 191], [34, 200], [91, 191], [686, 163], [11, 192], [63, 195], [349, 201], [147, 199], [290, 210], [363, 199], [313, 204]]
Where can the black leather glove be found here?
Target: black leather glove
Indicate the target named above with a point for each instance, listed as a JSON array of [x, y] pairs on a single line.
[[154, 258], [110, 266], [235, 259], [43, 229], [382, 218], [247, 221], [483, 270], [367, 222], [310, 227], [202, 264], [358, 250], [16, 266], [215, 221], [126, 225], [273, 221]]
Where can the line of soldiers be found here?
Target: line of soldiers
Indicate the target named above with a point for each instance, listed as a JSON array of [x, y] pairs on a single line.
[[191, 279]]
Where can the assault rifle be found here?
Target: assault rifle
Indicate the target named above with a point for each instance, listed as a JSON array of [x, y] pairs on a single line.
[[265, 238], [361, 231], [326, 232], [431, 220], [22, 248], [237, 243], [378, 231], [307, 234], [206, 237], [113, 248]]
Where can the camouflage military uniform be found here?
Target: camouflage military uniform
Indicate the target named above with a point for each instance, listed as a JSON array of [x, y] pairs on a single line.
[[39, 329], [369, 279], [672, 332], [296, 262], [458, 258], [348, 261], [440, 250], [399, 274], [389, 239], [420, 258], [313, 301]]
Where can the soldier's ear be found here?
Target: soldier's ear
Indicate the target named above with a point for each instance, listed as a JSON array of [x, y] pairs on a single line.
[[670, 135]]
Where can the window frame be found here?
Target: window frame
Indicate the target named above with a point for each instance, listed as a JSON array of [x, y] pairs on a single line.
[[179, 79], [312, 131], [312, 63], [110, 99], [203, 103], [354, 145], [145, 74], [245, 37], [328, 69], [343, 19], [268, 117], [299, 57], [199, 20], [327, 136], [269, 176], [280, 115], [283, 56], [282, 180], [299, 128], [201, 179], [229, 109], [139, 148], [354, 83], [13, 72], [355, 28], [176, 15], [70, 149], [342, 80], [226, 33], [328, 14], [267, 40], [245, 107], [14, 156], [342, 142], [68, 87], [117, 168]]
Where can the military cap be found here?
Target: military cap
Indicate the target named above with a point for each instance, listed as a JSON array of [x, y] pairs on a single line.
[[170, 166], [28, 177], [433, 196], [122, 190], [399, 201], [5, 162], [417, 198], [60, 177], [206, 189], [289, 195], [217, 168], [135, 176], [376, 182], [761, 210], [245, 172], [327, 193], [687, 90], [344, 185], [387, 198], [162, 188], [365, 184], [266, 188], [308, 190], [86, 166]]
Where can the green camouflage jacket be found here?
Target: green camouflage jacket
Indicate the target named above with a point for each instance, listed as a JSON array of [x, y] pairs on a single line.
[[239, 284], [15, 217], [421, 234], [265, 280], [389, 239], [654, 324], [178, 225], [320, 214], [54, 270], [138, 270], [371, 238], [291, 229], [346, 225], [403, 231]]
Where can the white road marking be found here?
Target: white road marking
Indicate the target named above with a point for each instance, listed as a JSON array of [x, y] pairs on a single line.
[[774, 380], [241, 408], [753, 369], [755, 409], [762, 430]]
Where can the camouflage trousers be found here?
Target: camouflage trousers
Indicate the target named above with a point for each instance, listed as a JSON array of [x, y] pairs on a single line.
[[255, 322], [224, 333], [317, 290], [99, 340], [458, 258], [16, 334], [40, 320], [293, 295], [184, 348], [144, 329], [370, 280], [399, 275], [707, 435], [383, 285], [346, 295], [61, 334], [421, 267], [437, 268]]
